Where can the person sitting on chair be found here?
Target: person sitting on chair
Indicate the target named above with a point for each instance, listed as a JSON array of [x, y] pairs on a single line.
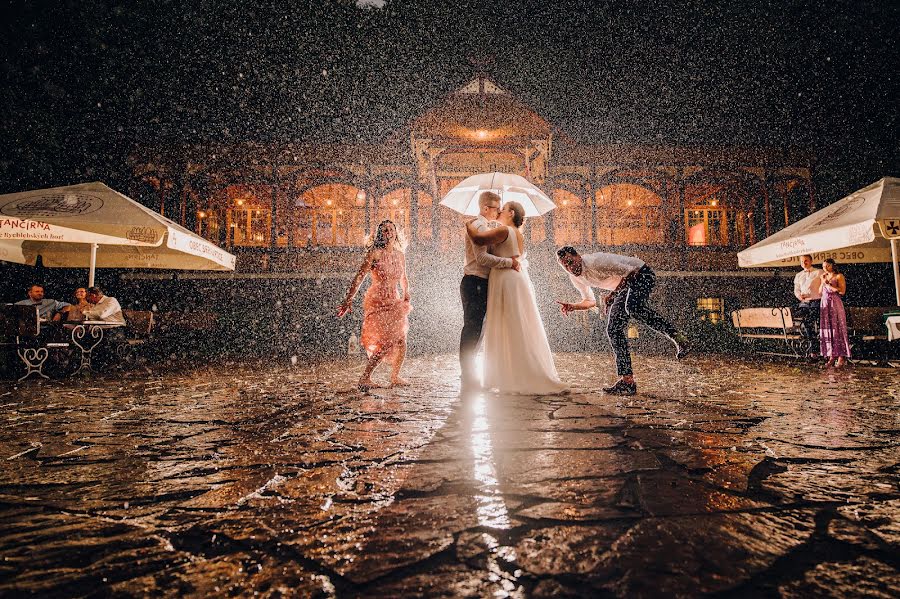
[[48, 309], [104, 308], [74, 312]]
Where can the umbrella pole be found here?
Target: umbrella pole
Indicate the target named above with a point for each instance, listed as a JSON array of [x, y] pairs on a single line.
[[895, 255], [93, 267]]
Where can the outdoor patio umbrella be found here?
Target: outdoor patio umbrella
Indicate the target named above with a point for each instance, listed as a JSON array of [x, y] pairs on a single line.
[[464, 197], [863, 227], [67, 225]]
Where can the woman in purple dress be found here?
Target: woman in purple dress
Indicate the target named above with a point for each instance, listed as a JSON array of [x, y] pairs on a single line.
[[833, 342]]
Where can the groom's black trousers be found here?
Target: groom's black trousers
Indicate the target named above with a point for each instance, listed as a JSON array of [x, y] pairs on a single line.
[[473, 291], [631, 301]]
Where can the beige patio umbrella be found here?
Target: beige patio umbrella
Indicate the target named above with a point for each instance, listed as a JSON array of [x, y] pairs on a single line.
[[91, 225], [863, 227]]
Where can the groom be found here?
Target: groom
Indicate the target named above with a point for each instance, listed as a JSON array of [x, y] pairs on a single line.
[[631, 281], [473, 290]]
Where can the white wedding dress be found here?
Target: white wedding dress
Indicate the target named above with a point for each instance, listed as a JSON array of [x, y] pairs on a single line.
[[517, 357]]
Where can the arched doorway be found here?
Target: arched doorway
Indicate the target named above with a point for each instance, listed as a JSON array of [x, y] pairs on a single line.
[[248, 215]]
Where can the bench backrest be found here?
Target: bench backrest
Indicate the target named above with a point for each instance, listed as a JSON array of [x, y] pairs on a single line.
[[762, 318], [138, 322], [19, 321], [866, 318]]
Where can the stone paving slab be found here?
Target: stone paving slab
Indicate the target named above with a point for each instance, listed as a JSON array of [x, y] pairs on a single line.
[[720, 478]]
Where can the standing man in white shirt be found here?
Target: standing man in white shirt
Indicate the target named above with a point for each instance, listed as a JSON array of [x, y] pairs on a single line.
[[473, 290], [808, 291], [104, 308], [631, 281]]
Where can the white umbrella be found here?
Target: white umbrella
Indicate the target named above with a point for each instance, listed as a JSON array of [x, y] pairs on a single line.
[[464, 197], [862, 227], [65, 226]]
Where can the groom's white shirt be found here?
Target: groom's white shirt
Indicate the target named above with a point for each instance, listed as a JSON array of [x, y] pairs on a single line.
[[479, 261], [604, 271]]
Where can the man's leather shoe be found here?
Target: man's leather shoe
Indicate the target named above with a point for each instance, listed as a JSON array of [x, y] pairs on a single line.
[[621, 388]]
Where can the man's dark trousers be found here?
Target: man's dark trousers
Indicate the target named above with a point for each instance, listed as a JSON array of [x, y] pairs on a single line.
[[631, 302], [808, 314], [473, 290]]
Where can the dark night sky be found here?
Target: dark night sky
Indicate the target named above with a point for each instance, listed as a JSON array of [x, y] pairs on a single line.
[[84, 81]]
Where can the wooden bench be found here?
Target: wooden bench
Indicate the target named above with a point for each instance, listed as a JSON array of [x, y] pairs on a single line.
[[865, 327], [868, 335], [867, 323], [754, 324], [139, 324]]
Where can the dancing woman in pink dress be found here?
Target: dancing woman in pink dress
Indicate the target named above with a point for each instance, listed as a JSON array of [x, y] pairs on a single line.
[[833, 341], [385, 311]]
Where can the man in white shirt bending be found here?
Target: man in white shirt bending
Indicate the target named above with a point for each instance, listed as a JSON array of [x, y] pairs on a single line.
[[808, 291], [473, 290], [104, 308], [631, 281]]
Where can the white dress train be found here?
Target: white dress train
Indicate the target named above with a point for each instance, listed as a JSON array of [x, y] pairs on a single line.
[[517, 357]]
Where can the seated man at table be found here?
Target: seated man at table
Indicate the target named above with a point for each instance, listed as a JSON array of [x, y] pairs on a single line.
[[48, 309], [104, 308]]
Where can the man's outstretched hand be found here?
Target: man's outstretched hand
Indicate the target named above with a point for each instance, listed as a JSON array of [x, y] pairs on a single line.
[[565, 308]]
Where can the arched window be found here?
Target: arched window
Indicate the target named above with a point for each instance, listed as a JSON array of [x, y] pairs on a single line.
[[451, 232], [425, 208], [628, 213], [394, 206], [571, 219], [333, 214], [248, 215]]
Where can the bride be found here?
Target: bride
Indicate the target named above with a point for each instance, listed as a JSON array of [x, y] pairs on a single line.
[[517, 357]]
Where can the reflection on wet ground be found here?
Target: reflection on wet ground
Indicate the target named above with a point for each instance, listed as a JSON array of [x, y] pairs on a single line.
[[718, 478]]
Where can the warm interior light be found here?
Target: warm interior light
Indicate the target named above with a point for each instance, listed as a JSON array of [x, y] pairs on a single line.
[[328, 202], [361, 195], [395, 202], [481, 133], [565, 202], [201, 214], [714, 203], [630, 202], [239, 202]]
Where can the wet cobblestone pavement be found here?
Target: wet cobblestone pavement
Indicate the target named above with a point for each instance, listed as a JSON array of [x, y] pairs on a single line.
[[736, 480]]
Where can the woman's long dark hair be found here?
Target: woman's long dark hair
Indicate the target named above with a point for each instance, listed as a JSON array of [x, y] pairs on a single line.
[[834, 267], [379, 241]]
